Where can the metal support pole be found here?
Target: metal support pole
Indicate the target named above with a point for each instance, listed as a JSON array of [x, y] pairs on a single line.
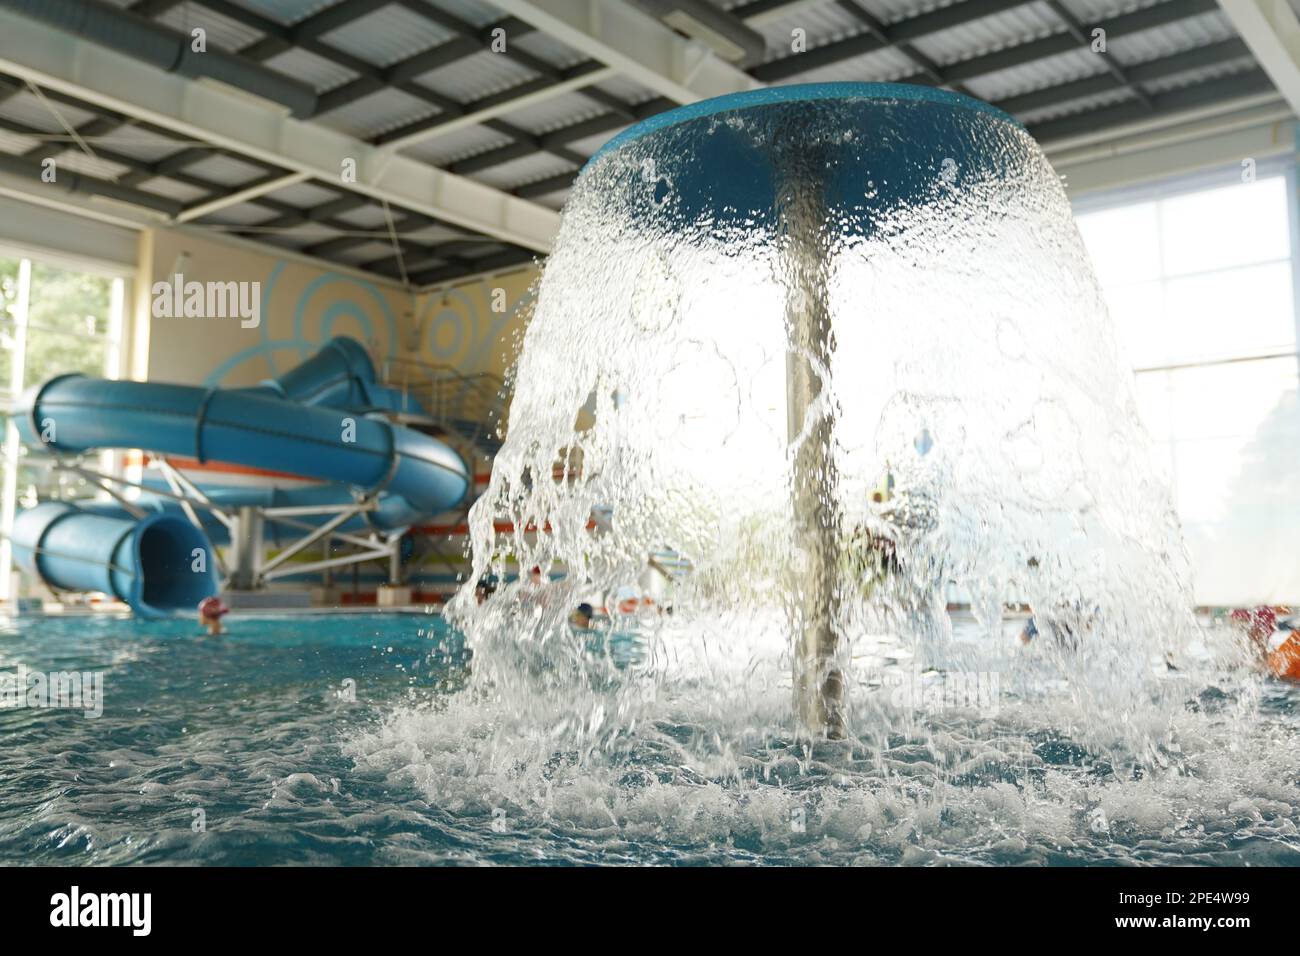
[[814, 608], [247, 540], [395, 560]]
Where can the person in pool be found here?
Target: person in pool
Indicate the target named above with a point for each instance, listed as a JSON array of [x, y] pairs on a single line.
[[211, 611], [582, 617]]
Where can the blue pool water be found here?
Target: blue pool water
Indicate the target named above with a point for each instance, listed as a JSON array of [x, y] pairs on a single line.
[[258, 731]]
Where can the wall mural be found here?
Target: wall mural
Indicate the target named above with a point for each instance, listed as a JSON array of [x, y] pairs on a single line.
[[302, 340]]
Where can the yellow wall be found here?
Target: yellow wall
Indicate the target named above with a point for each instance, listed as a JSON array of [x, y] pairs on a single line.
[[301, 307], [472, 327], [475, 326]]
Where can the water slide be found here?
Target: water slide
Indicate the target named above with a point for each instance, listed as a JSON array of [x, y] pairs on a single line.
[[324, 420]]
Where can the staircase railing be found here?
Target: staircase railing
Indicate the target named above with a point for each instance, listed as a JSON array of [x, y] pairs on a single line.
[[471, 405]]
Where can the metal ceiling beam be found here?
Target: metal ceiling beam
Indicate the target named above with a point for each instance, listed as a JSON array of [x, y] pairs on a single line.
[[248, 193], [544, 187], [928, 67], [500, 260], [468, 40], [515, 99], [1211, 54], [257, 192], [164, 49], [635, 44], [1159, 15], [1081, 34], [1060, 94], [68, 181], [1272, 31], [401, 75], [1225, 89], [957, 14], [331, 18], [230, 120], [902, 31]]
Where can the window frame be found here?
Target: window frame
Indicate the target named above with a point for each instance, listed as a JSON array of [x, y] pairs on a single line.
[[1201, 181]]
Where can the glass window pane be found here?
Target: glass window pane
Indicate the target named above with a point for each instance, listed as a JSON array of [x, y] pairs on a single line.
[[68, 321], [1220, 228], [1228, 401], [1123, 243], [1230, 313]]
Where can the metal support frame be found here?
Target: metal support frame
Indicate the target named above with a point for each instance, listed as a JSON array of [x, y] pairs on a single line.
[[246, 526]]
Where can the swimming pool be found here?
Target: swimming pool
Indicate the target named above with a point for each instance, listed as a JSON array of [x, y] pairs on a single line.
[[340, 740]]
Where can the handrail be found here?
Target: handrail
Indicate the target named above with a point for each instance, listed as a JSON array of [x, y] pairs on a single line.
[[468, 404]]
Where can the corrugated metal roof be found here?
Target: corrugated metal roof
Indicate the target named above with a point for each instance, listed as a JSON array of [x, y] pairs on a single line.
[[161, 186], [467, 141], [27, 109], [555, 113], [1203, 75], [366, 252], [78, 162], [304, 195], [433, 234], [314, 70], [378, 113], [877, 66], [401, 29], [476, 76], [14, 144], [388, 36], [223, 33], [244, 214], [994, 32], [1061, 68], [225, 171], [1092, 11], [284, 11], [1170, 38], [627, 90], [481, 250], [140, 143], [821, 25], [296, 236], [590, 144], [520, 172], [472, 11], [555, 200], [364, 217], [1081, 105], [891, 10], [546, 47]]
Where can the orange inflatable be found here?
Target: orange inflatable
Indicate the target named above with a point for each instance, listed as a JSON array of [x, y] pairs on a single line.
[[1285, 661], [1259, 624]]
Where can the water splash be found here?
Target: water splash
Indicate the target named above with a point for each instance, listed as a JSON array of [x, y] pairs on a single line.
[[967, 433]]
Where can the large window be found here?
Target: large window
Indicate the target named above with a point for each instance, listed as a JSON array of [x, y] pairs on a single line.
[[54, 318], [1200, 280]]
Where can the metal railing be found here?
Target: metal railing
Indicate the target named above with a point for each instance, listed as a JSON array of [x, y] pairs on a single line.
[[471, 405]]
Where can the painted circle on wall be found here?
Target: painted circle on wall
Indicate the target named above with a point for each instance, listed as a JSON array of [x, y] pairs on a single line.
[[446, 334]]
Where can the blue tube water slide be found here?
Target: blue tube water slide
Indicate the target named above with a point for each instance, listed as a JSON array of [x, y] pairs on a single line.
[[323, 420], [151, 564]]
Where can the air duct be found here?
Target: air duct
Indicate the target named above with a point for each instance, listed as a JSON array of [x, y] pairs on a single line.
[[73, 182], [164, 48], [722, 32]]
